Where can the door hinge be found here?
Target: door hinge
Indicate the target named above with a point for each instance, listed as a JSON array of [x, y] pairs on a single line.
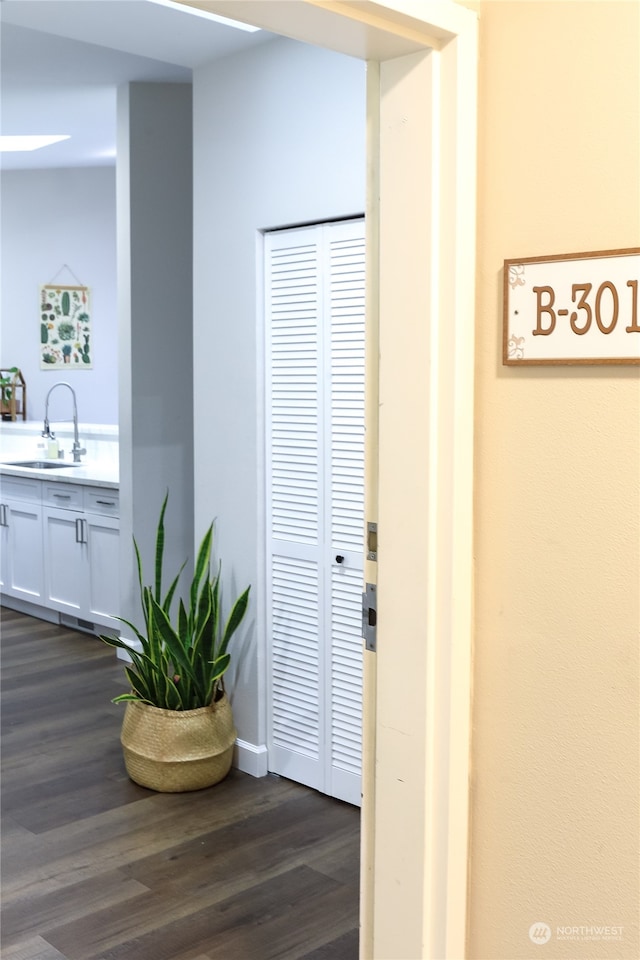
[[370, 617]]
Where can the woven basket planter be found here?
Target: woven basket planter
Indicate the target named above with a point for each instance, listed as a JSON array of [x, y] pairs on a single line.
[[173, 751]]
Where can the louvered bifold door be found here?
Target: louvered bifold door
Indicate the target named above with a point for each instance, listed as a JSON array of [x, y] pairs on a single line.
[[294, 403], [314, 415], [345, 483]]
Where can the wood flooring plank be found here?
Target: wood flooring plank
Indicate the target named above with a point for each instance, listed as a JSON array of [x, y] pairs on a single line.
[[95, 867], [38, 754], [346, 947], [223, 861], [13, 833], [209, 868], [49, 695], [340, 859], [200, 956], [22, 916], [269, 920], [54, 768], [290, 933], [80, 799], [98, 934], [125, 834], [66, 784], [34, 949], [53, 644]]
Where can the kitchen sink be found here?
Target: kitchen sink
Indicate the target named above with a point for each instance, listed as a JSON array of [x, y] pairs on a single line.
[[39, 464]]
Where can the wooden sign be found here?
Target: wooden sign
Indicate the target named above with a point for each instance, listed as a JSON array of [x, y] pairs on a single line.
[[572, 308]]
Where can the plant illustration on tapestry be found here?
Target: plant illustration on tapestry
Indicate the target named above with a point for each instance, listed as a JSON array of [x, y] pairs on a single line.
[[65, 328]]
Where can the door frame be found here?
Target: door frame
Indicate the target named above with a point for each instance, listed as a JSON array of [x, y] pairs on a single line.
[[421, 119]]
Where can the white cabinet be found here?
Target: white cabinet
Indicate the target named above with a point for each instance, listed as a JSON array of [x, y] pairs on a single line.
[[21, 566], [64, 560], [102, 532], [80, 537], [59, 548]]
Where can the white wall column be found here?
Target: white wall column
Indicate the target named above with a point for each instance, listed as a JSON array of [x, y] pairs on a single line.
[[154, 220]]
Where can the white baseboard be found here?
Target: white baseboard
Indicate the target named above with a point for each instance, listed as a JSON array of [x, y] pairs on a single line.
[[251, 758], [52, 616]]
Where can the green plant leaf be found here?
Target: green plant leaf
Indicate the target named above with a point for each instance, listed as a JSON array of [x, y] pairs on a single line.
[[202, 566], [174, 643], [183, 620], [138, 685], [141, 582], [220, 667], [153, 636], [172, 695], [203, 627], [148, 670], [130, 696], [235, 618], [160, 549], [117, 642], [168, 600]]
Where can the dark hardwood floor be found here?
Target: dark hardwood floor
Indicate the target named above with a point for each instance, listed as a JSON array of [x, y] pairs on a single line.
[[94, 867]]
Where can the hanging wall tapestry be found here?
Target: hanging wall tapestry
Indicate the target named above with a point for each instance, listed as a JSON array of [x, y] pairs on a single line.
[[65, 328]]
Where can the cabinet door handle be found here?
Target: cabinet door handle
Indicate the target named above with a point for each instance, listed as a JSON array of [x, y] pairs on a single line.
[[3, 515], [81, 530]]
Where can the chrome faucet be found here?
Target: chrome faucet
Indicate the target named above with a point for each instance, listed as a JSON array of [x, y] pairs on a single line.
[[77, 450]]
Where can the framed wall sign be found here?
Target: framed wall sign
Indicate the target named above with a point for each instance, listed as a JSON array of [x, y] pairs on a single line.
[[572, 308]]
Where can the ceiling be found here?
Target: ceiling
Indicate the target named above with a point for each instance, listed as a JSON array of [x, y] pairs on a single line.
[[61, 62]]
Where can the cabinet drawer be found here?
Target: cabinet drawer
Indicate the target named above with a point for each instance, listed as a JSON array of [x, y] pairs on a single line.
[[65, 495], [102, 500], [19, 488]]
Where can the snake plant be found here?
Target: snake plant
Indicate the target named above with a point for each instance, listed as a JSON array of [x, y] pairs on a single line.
[[180, 665]]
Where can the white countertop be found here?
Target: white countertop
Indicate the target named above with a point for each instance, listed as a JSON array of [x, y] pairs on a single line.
[[99, 466], [91, 474]]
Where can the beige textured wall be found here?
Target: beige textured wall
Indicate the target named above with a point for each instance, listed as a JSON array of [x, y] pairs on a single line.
[[556, 680]]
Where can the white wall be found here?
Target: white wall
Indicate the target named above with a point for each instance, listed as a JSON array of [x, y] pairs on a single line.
[[51, 218], [155, 281], [279, 139], [555, 832]]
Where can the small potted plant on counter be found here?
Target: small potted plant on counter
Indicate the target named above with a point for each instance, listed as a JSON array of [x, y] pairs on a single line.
[[178, 732], [11, 380]]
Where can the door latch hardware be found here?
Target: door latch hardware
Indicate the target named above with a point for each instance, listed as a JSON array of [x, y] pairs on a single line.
[[372, 541], [370, 616]]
